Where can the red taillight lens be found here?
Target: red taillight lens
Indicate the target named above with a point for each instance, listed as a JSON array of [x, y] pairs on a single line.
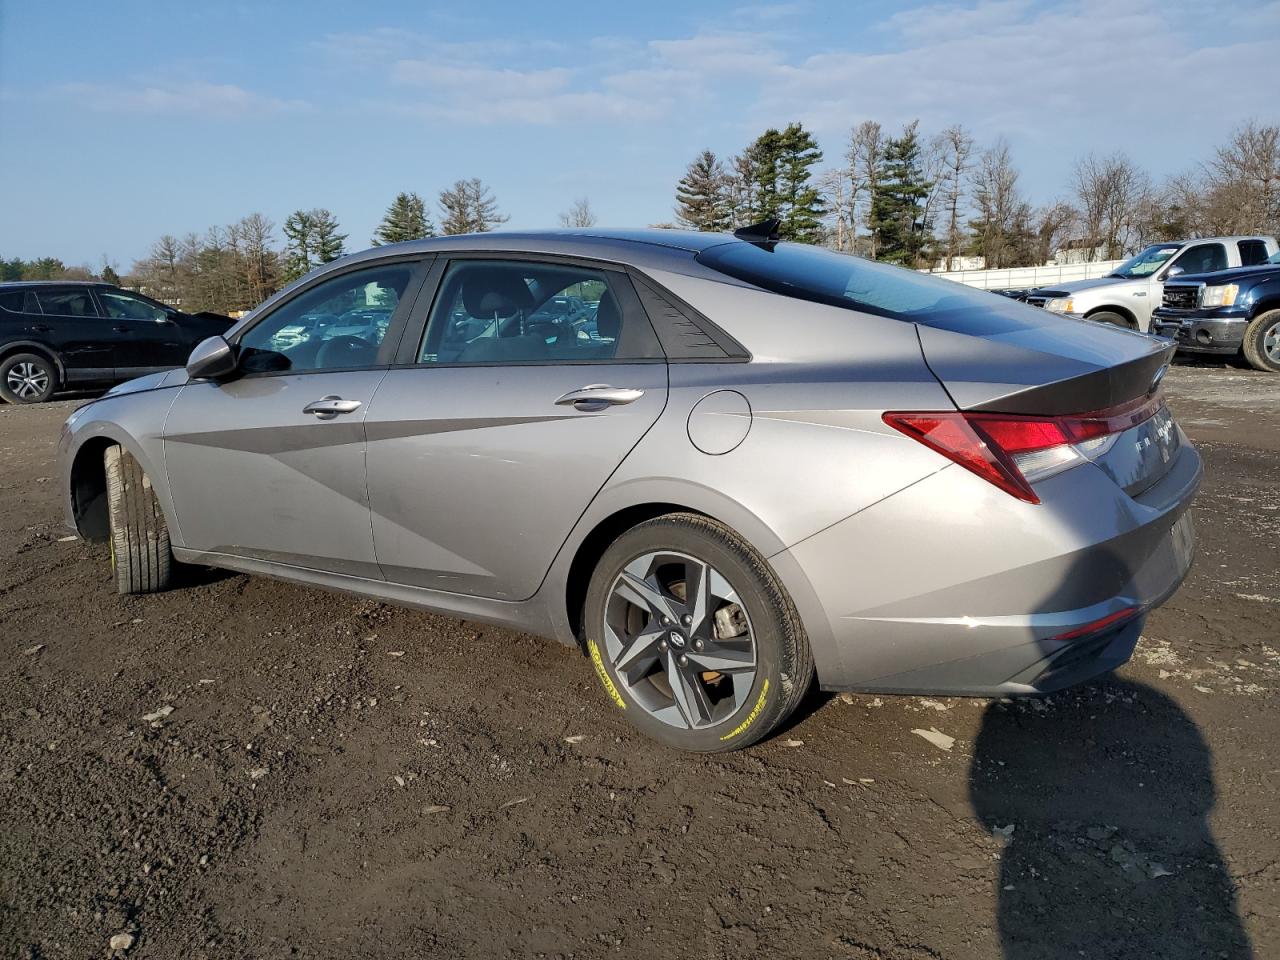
[[1097, 626], [989, 444]]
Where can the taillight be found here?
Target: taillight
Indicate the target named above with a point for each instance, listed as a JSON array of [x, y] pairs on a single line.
[[1011, 450]]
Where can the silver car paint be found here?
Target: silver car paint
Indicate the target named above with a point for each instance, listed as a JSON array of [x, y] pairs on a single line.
[[476, 500]]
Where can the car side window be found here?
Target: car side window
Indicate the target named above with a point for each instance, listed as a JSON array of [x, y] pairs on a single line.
[[19, 301], [121, 306], [1252, 253], [335, 325], [502, 311], [1203, 258], [67, 303]]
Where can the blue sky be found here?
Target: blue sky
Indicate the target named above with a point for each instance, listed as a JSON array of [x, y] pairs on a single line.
[[122, 121]]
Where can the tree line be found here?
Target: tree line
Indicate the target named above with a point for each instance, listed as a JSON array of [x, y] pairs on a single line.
[[924, 201]]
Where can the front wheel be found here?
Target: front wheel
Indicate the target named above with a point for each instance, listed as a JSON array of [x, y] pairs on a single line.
[[1262, 342], [1113, 318], [28, 378], [141, 558], [693, 637]]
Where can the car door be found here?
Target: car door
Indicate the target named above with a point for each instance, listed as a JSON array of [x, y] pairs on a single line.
[[492, 436], [270, 465], [156, 341], [90, 345]]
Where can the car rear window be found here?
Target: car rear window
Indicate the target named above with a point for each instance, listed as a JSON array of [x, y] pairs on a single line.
[[841, 280]]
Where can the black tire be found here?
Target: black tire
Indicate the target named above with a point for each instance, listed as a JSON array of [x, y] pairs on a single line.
[[141, 558], [1263, 332], [28, 378], [1113, 318], [783, 663]]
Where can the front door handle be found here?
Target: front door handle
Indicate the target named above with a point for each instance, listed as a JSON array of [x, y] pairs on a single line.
[[327, 408], [600, 395]]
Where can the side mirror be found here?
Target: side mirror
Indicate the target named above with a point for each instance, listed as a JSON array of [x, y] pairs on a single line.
[[1173, 272], [212, 359]]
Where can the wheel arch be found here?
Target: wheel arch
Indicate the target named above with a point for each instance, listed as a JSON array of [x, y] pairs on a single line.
[[8, 349], [1116, 308], [85, 478]]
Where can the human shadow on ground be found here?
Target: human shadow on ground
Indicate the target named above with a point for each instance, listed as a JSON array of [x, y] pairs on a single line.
[[1107, 790]]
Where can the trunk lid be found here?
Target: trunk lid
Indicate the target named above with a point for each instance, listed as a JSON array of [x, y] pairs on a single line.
[[1043, 365]]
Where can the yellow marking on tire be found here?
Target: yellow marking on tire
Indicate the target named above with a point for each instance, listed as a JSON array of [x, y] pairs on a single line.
[[604, 675], [751, 717]]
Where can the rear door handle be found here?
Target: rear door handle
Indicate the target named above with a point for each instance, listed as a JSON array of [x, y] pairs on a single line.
[[327, 408], [599, 395], [119, 328]]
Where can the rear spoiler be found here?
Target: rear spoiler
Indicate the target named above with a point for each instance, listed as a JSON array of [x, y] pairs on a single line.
[[1090, 391]]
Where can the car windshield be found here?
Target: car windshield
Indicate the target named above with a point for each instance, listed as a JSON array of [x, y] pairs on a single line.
[[1274, 258], [1147, 262], [842, 280]]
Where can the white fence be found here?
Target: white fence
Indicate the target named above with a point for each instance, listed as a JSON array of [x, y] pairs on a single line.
[[1019, 278]]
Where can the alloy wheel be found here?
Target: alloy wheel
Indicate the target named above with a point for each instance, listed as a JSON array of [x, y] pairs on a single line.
[[1271, 343], [680, 640], [27, 380]]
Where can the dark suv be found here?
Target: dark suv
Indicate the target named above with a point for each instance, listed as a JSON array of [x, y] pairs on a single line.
[[1228, 312], [55, 334]]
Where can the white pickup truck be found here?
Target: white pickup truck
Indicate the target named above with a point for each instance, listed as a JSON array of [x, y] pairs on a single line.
[[1127, 296]]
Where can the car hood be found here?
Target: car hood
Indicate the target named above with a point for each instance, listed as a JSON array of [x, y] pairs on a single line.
[[1079, 286], [1233, 275]]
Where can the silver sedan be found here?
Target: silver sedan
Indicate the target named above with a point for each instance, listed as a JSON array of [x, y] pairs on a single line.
[[765, 466]]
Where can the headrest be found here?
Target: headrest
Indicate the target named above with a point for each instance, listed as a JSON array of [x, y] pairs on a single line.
[[608, 317], [494, 292]]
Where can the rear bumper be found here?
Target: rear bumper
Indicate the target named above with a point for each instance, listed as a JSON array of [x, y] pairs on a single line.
[[1202, 334], [952, 587]]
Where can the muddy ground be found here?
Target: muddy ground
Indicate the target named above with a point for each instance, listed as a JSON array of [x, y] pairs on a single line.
[[338, 778]]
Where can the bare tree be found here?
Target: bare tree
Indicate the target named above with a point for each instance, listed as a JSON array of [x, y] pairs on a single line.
[[1244, 180], [741, 189], [1053, 226], [864, 157], [1002, 230], [1111, 192], [579, 215], [955, 148], [836, 195]]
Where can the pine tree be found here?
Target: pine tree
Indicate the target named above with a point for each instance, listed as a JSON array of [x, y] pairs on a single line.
[[897, 201], [702, 201], [109, 275], [406, 219], [468, 207], [781, 165], [299, 232], [327, 243]]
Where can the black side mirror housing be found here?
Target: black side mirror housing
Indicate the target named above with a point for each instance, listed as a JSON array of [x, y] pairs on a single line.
[[212, 359]]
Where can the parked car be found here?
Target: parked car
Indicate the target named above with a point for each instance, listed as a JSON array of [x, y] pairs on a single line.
[[776, 463], [1230, 312], [56, 334], [1127, 296]]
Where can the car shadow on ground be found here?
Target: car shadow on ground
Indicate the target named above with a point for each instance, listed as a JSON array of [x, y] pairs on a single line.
[[1103, 795]]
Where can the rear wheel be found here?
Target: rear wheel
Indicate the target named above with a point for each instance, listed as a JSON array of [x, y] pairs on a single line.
[[140, 555], [1113, 318], [1262, 342], [693, 637], [28, 378]]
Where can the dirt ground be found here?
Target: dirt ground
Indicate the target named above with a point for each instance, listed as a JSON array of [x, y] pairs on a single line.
[[339, 778]]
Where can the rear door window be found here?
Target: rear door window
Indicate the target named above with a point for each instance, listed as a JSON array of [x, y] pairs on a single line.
[[1252, 253], [19, 301], [506, 311], [67, 303]]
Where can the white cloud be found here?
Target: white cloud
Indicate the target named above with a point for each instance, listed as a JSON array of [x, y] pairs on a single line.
[[196, 97]]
